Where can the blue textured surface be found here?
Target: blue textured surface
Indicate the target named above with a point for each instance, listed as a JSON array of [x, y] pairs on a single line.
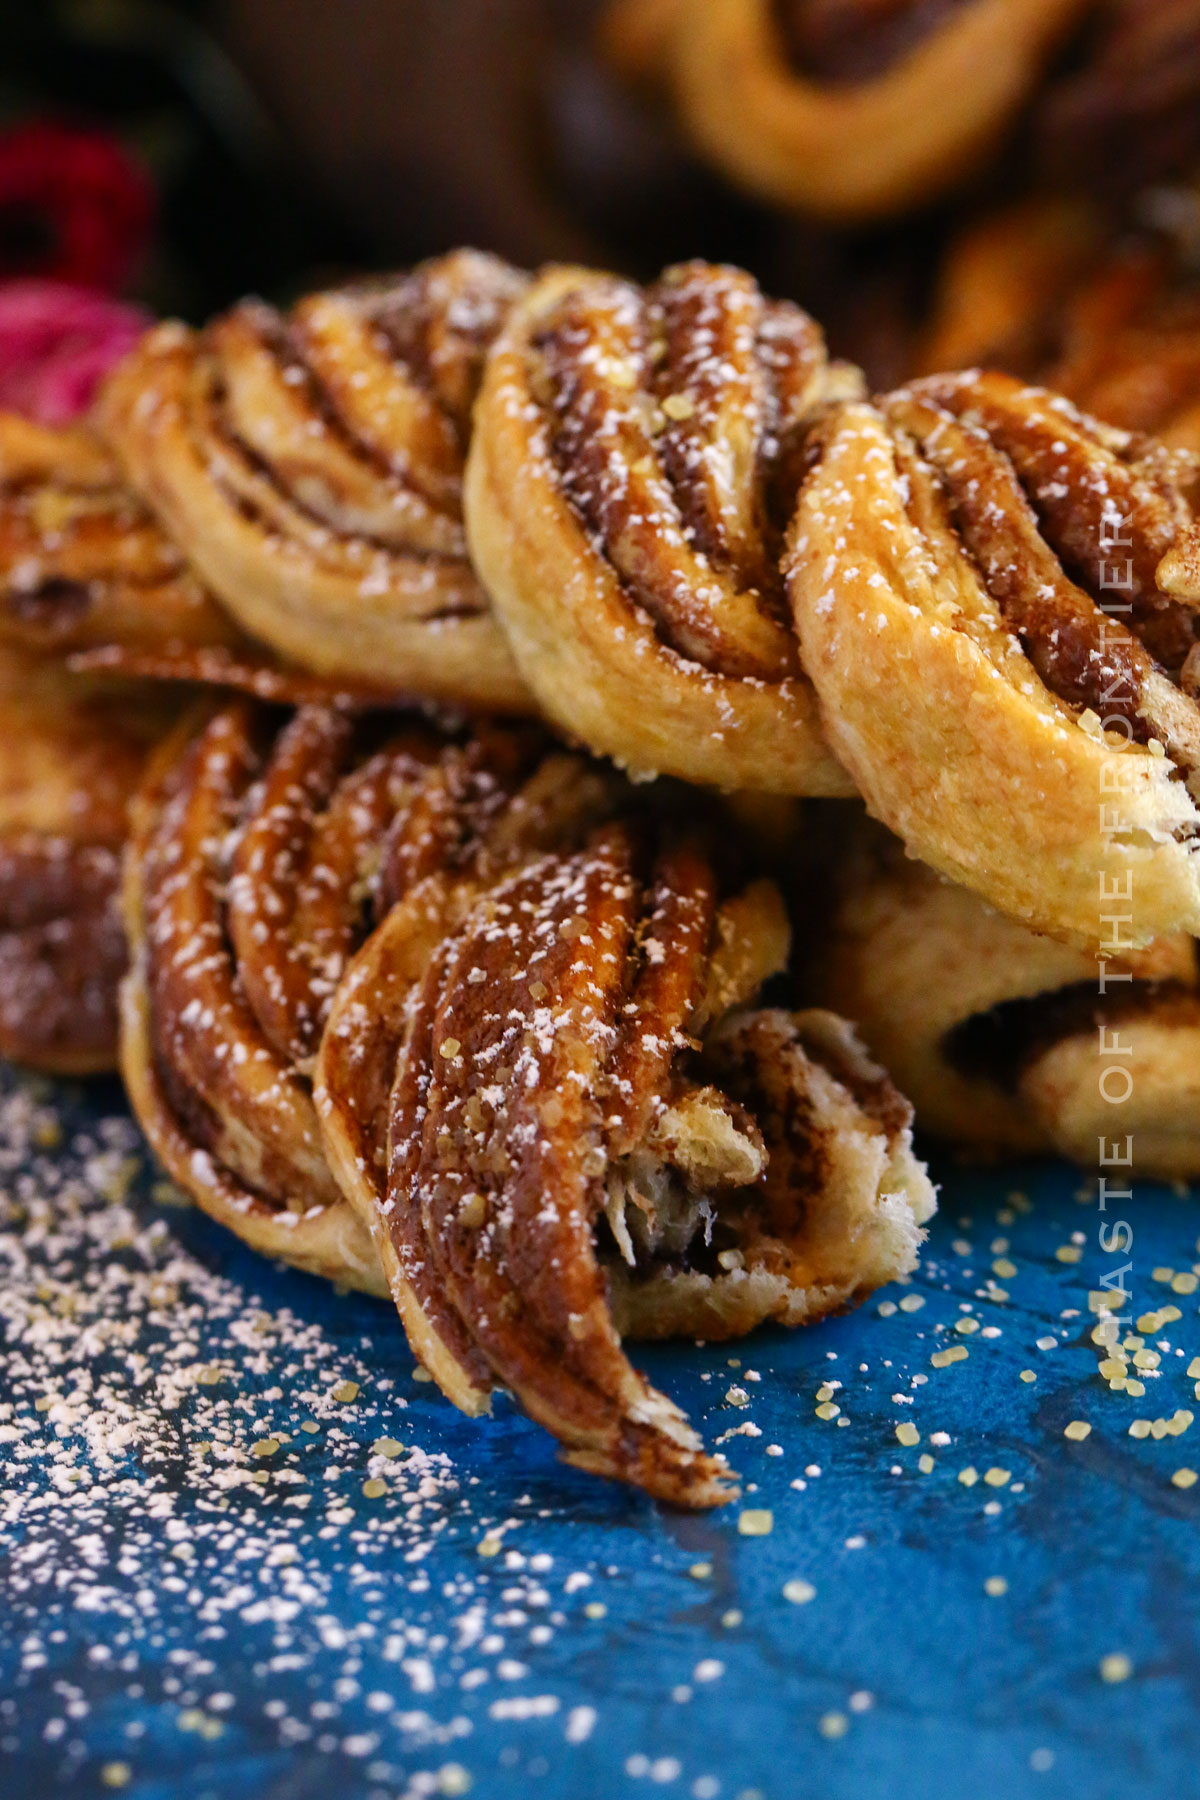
[[171, 1626]]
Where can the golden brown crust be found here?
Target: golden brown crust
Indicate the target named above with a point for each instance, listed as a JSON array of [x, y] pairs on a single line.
[[994, 1032], [87, 575], [631, 469], [948, 562], [844, 148], [262, 855], [309, 467], [544, 1091], [254, 872]]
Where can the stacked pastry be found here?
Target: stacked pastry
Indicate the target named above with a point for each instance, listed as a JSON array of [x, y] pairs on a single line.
[[432, 998]]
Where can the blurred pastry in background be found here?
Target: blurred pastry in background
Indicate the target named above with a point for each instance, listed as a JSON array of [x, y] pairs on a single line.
[[1055, 289], [848, 109]]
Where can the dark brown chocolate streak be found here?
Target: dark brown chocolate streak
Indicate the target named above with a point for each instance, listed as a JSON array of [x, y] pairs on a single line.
[[1109, 522], [997, 1045], [279, 340], [849, 41], [1058, 624]]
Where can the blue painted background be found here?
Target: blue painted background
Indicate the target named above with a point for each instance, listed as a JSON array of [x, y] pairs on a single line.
[[231, 1644]]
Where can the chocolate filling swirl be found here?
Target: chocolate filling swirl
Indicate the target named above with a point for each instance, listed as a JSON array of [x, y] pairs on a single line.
[[675, 419], [1066, 523]]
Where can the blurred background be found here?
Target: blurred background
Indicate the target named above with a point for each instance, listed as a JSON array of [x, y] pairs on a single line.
[[184, 152]]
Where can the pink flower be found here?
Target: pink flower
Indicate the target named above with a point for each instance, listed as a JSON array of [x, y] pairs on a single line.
[[74, 206], [56, 344]]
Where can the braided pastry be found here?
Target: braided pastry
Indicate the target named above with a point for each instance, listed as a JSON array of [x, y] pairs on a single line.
[[847, 108], [545, 1093], [972, 570], [86, 574], [1008, 1041], [256, 868], [633, 464], [72, 751], [309, 469]]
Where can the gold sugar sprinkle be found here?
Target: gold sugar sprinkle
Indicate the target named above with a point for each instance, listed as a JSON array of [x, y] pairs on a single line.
[[833, 1725], [389, 1447], [679, 406], [345, 1392], [925, 1463], [1028, 1375], [912, 1303], [1184, 1478], [756, 1522], [908, 1434], [968, 1476], [1077, 1430], [488, 1546], [1116, 1666], [995, 1585], [374, 1489], [941, 1359], [265, 1447], [997, 1477], [449, 1048], [799, 1591]]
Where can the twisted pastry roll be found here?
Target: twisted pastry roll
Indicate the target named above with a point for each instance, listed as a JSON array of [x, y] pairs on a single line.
[[973, 574], [848, 108], [1006, 1041], [309, 469], [633, 464], [72, 751], [549, 1091], [1042, 290], [258, 864], [86, 574]]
